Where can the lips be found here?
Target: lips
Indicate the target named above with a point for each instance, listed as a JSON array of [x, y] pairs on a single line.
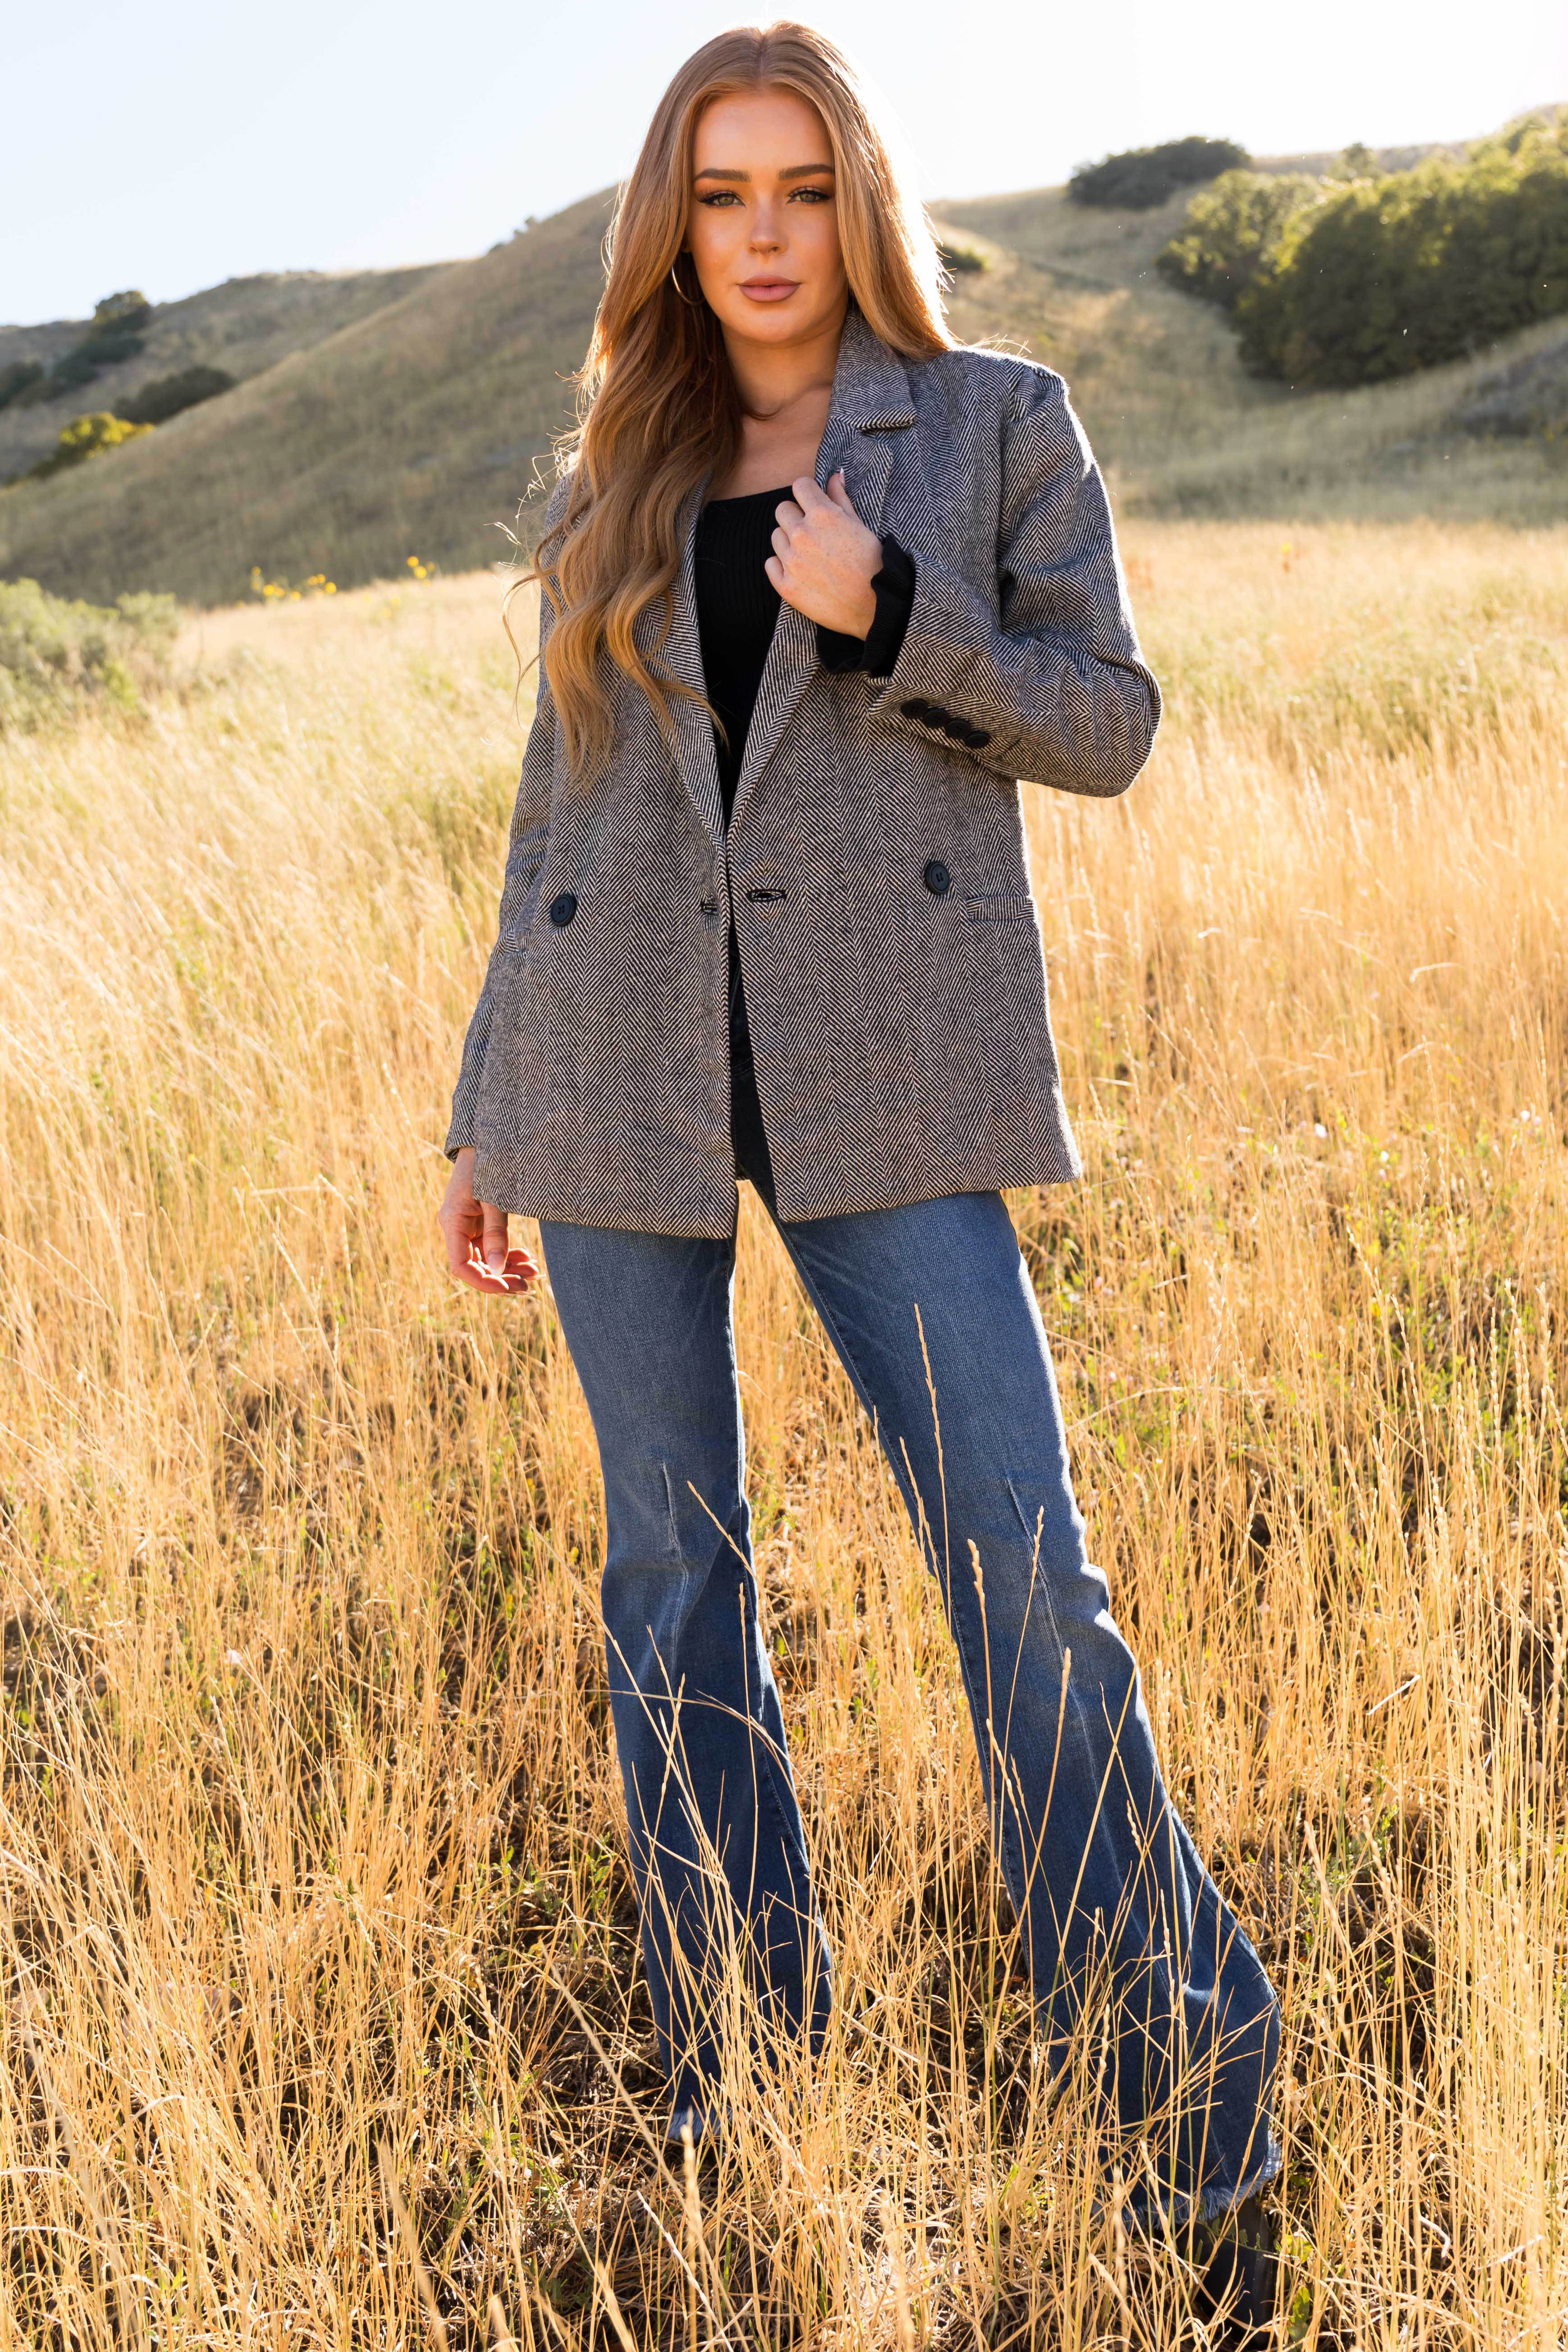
[[769, 290]]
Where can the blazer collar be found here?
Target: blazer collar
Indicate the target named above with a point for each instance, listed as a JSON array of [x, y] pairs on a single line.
[[870, 390], [869, 403]]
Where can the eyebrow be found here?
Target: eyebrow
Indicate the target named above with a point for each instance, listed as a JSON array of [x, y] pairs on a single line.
[[791, 172]]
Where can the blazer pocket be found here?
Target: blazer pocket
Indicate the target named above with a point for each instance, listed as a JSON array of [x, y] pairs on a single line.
[[1009, 909]]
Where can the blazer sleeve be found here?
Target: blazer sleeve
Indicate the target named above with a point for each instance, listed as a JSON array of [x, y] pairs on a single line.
[[524, 859], [1045, 681]]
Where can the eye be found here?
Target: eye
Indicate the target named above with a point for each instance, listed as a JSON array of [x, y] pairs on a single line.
[[812, 196], [719, 197]]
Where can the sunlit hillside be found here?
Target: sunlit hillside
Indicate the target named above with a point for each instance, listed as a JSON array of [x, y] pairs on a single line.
[[419, 428], [244, 325], [1181, 426], [325, 2023], [415, 431]]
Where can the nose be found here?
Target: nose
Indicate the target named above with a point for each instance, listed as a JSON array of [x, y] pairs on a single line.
[[765, 234]]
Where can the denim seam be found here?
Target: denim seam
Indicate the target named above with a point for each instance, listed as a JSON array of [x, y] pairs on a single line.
[[809, 1920], [1101, 1830], [773, 1768]]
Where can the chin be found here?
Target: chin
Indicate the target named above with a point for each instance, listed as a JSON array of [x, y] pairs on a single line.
[[777, 322]]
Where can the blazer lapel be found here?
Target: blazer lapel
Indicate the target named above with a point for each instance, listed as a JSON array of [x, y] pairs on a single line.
[[870, 407], [867, 463], [682, 654]]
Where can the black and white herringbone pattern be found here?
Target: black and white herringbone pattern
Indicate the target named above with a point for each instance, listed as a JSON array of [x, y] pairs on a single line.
[[901, 1038]]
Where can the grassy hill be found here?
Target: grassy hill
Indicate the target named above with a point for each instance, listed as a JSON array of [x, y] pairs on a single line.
[[1180, 425], [414, 429], [416, 425], [245, 325]]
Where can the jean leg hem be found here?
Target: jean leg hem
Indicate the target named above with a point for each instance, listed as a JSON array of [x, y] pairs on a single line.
[[1178, 2210], [1218, 2199]]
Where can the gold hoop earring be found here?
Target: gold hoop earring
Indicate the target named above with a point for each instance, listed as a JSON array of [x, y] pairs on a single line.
[[678, 286]]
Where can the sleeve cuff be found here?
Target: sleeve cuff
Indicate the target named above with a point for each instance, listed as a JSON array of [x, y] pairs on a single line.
[[877, 652]]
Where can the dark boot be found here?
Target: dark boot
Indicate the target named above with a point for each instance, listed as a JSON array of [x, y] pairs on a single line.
[[1237, 2259]]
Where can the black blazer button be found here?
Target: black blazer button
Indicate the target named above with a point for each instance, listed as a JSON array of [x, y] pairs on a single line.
[[939, 881], [977, 739], [562, 910], [917, 709]]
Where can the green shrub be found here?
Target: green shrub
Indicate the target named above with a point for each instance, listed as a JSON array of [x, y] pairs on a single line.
[[961, 260], [72, 370], [103, 350], [167, 395], [114, 334], [84, 437], [1142, 177], [17, 378], [1234, 232], [40, 388], [58, 657], [1379, 277], [120, 314]]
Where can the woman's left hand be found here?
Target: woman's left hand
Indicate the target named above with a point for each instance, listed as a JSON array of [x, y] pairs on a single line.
[[825, 559]]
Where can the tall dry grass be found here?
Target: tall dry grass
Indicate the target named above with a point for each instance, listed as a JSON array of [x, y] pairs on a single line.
[[322, 2018]]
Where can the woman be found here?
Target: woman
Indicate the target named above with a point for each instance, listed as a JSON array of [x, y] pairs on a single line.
[[817, 588]]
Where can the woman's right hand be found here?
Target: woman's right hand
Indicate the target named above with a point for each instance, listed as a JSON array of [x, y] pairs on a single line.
[[478, 1250]]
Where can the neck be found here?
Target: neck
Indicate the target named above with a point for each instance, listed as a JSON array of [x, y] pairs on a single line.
[[771, 377]]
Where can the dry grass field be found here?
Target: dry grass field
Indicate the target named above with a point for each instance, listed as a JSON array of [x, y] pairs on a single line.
[[322, 2013]]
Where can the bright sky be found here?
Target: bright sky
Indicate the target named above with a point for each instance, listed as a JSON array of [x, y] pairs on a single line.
[[190, 141]]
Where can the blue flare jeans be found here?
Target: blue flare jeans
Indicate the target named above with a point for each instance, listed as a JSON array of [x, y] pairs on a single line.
[[1118, 1917]]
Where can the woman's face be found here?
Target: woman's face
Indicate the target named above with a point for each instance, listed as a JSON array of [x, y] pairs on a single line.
[[763, 218]]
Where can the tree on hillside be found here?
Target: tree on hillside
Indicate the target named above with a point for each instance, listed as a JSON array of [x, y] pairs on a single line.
[[1365, 275], [1234, 232], [120, 314], [114, 334], [1400, 273], [84, 437], [168, 395], [16, 379], [1141, 177]]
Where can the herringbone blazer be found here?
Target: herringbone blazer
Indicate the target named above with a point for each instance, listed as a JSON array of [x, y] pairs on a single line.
[[874, 864]]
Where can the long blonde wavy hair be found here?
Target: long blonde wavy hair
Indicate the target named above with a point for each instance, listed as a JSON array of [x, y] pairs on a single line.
[[657, 405]]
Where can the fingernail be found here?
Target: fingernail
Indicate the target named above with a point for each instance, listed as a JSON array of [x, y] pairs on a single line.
[[496, 1260]]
